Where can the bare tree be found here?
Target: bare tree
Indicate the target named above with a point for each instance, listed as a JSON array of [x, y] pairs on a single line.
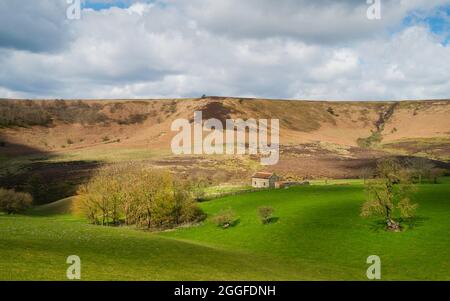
[[366, 173], [421, 168]]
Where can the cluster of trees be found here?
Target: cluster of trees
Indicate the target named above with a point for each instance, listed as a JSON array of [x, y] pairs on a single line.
[[12, 202], [424, 169], [30, 113], [136, 195], [25, 113], [76, 112], [389, 193], [419, 170]]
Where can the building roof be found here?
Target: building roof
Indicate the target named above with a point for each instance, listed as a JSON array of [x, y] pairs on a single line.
[[263, 175]]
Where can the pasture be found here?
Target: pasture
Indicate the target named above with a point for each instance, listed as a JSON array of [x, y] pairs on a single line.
[[317, 234]]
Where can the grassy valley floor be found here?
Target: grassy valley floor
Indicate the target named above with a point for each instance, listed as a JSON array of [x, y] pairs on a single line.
[[317, 235]]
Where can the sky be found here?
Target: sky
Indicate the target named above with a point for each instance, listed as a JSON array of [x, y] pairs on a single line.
[[289, 49]]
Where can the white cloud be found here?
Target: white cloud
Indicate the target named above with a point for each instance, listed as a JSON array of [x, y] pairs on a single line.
[[286, 49]]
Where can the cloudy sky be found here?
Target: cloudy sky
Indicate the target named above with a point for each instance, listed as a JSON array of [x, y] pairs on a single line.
[[296, 49]]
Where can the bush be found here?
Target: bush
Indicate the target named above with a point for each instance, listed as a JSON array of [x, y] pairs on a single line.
[[373, 139], [225, 218], [265, 214], [12, 202], [134, 119]]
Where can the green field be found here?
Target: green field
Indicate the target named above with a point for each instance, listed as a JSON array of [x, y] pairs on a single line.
[[318, 235]]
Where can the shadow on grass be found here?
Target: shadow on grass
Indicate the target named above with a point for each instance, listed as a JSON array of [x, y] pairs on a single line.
[[235, 223], [272, 220], [406, 223], [231, 225], [413, 222]]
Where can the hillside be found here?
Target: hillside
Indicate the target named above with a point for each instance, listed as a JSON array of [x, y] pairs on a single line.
[[49, 125], [59, 143]]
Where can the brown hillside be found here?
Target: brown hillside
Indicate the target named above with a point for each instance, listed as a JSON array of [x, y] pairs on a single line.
[[319, 139], [147, 123]]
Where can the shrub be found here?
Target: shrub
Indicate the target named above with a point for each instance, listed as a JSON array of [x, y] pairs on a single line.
[[265, 214], [225, 218], [373, 139], [332, 112], [134, 119], [12, 202]]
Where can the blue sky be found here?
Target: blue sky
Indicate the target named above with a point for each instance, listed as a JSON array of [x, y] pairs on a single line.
[[438, 21], [95, 5]]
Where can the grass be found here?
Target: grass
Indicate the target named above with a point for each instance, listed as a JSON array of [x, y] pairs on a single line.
[[317, 234], [106, 155], [61, 207], [320, 232], [337, 182], [36, 248], [214, 191], [374, 139]]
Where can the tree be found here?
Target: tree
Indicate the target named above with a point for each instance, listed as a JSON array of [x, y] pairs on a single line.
[[366, 173], [38, 187], [389, 192], [12, 202], [421, 168], [198, 187], [436, 173]]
